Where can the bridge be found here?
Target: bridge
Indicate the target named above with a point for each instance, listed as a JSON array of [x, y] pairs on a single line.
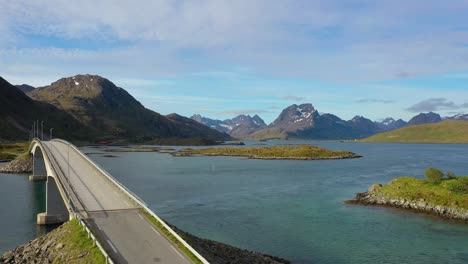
[[123, 225]]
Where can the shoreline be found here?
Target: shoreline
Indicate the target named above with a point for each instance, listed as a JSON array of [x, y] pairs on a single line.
[[417, 206]]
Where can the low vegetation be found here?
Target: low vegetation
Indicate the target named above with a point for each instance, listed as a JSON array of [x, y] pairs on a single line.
[[449, 131], [302, 152], [76, 243], [438, 189], [68, 243], [9, 151]]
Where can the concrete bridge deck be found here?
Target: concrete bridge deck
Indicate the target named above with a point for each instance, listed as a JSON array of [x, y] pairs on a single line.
[[114, 217]]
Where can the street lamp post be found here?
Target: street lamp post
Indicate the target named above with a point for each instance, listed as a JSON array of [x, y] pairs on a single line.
[[50, 136], [42, 130]]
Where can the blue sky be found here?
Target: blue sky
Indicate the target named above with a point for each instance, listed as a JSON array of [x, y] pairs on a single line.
[[223, 58]]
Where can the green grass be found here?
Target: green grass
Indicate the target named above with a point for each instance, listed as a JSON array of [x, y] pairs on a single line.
[[449, 131], [76, 241], [9, 151], [172, 238], [448, 192], [277, 152]]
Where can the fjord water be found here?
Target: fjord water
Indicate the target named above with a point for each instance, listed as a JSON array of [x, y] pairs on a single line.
[[295, 209], [21, 200], [291, 209]]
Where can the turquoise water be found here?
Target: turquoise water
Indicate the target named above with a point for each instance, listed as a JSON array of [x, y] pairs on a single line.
[[21, 200], [292, 209]]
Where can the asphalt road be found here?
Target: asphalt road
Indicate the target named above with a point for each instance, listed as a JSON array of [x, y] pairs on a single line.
[[127, 235]]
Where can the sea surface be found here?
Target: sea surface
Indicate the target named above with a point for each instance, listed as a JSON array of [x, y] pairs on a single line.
[[291, 209]]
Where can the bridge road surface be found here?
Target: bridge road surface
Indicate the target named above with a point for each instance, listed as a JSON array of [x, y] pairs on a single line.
[[127, 235]]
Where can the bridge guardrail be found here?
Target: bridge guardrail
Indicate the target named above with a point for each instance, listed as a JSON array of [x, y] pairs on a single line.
[[95, 240], [72, 205], [139, 201]]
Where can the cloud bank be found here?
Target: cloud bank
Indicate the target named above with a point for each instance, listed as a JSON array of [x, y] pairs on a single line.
[[435, 104]]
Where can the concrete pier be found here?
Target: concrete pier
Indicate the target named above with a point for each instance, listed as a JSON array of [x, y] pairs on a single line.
[[56, 211]]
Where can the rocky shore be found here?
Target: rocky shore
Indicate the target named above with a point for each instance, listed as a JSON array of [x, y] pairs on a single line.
[[22, 164], [219, 253], [55, 248], [373, 197]]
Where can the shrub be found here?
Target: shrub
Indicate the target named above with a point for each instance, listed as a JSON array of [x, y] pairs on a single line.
[[434, 175], [451, 175], [458, 185]]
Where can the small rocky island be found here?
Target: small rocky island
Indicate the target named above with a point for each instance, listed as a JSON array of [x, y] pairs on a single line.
[[301, 152], [442, 195]]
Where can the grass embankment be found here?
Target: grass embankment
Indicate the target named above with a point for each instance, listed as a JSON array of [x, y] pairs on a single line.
[[68, 243], [301, 152], [445, 192], [172, 238], [9, 151], [78, 247], [449, 131]]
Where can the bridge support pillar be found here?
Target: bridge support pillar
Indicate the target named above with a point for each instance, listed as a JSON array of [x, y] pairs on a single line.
[[39, 168], [56, 211]]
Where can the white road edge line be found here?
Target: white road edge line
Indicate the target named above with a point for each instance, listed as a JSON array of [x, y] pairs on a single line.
[[141, 217], [177, 251], [156, 231], [112, 246]]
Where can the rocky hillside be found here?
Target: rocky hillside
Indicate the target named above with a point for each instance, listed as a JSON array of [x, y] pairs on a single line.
[[18, 112], [238, 127], [98, 103]]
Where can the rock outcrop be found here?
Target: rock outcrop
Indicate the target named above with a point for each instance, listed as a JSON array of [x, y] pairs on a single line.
[[66, 244], [219, 253], [372, 197], [22, 164]]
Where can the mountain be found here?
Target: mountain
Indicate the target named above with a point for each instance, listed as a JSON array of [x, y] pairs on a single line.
[[389, 124], [425, 118], [304, 121], [25, 88], [18, 112], [99, 104], [448, 131], [238, 127], [459, 117]]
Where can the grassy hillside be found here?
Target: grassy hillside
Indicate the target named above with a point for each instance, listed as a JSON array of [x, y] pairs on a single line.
[[9, 151], [449, 131]]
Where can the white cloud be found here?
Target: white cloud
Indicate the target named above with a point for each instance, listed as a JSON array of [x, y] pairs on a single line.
[[331, 40]]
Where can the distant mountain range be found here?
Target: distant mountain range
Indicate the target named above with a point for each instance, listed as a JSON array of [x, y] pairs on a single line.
[[100, 109], [304, 121], [237, 127]]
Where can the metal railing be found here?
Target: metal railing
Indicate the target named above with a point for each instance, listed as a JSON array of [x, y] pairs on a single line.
[[137, 200], [74, 212], [94, 239]]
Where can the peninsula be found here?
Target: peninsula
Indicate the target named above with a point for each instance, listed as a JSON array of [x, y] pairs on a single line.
[[442, 195]]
